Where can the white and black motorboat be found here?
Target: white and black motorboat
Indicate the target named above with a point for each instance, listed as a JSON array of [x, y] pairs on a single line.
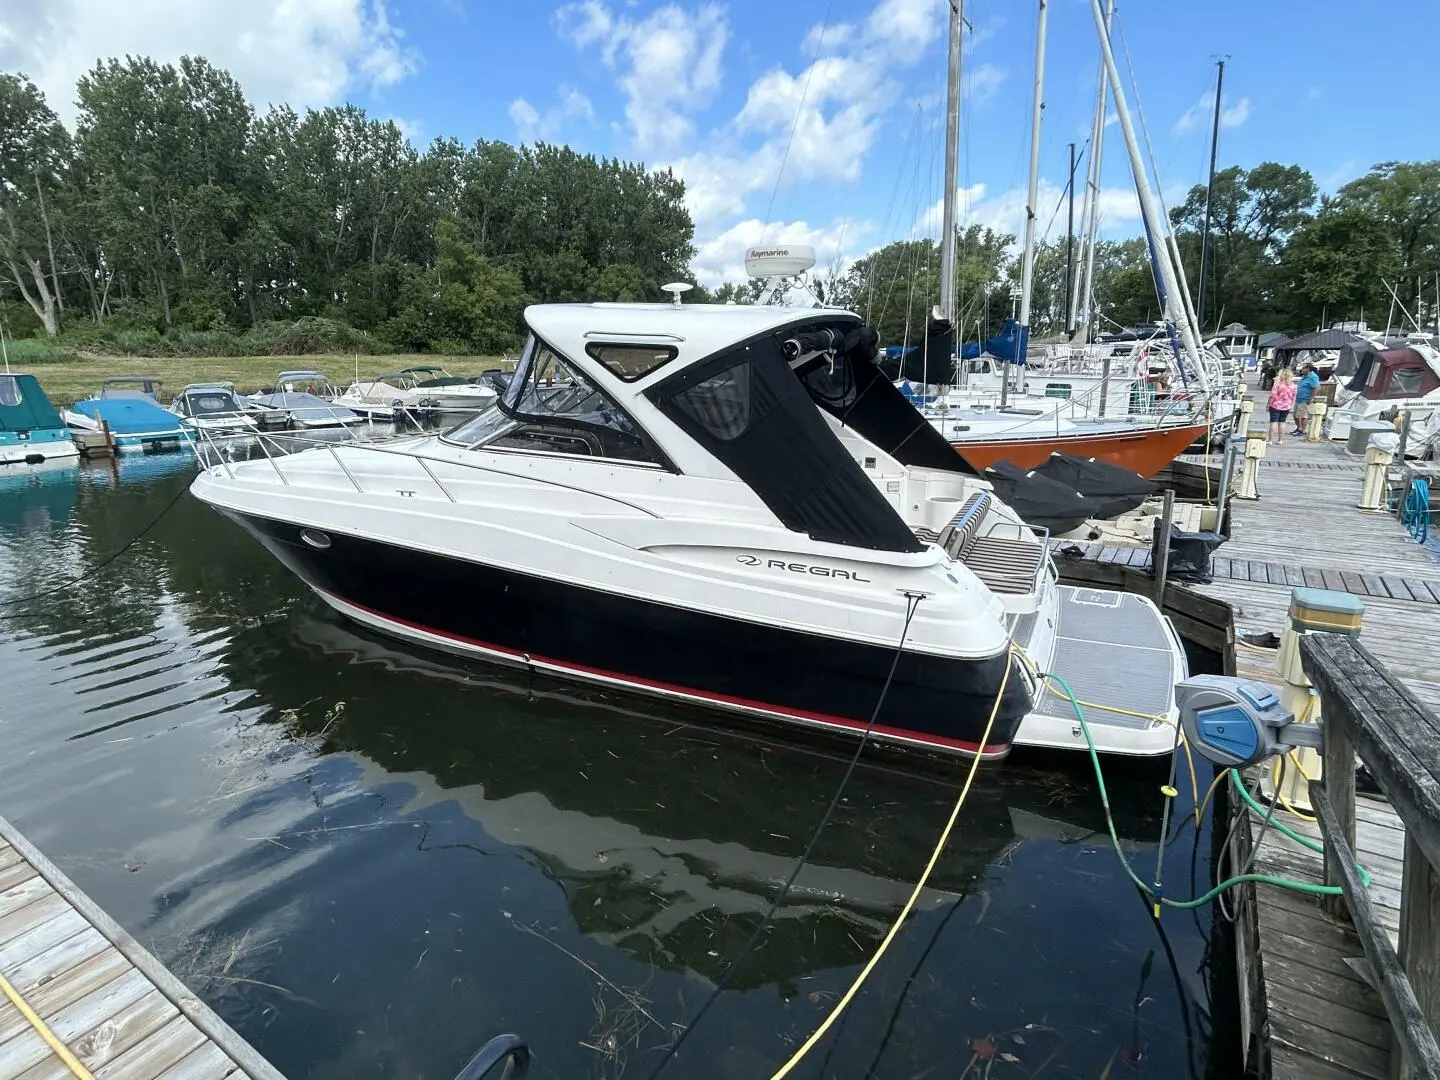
[[212, 407], [726, 504]]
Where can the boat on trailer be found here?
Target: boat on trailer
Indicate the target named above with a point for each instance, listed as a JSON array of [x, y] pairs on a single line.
[[31, 431], [728, 505]]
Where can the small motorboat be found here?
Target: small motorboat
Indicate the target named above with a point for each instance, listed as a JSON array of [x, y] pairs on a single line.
[[426, 388], [308, 398], [31, 431], [126, 405], [727, 505], [212, 407]]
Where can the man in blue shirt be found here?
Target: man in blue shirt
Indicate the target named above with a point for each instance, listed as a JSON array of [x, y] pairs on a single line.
[[1304, 393]]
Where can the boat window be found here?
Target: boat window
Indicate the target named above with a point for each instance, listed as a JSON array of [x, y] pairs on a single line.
[[1057, 390], [1405, 382], [979, 367], [551, 406], [721, 403], [9, 390], [631, 362], [200, 404]]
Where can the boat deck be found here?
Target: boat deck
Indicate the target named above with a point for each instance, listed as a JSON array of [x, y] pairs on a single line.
[[82, 998]]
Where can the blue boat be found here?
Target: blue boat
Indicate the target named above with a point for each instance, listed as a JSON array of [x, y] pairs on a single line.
[[126, 405], [31, 431]]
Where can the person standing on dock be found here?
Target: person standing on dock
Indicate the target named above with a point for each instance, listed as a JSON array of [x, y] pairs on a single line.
[[1304, 394], [1281, 401]]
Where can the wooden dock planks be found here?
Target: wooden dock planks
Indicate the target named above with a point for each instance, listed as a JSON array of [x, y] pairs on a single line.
[[1324, 1021], [94, 988]]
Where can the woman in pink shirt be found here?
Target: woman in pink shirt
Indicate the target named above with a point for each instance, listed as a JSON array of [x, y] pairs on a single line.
[[1282, 400]]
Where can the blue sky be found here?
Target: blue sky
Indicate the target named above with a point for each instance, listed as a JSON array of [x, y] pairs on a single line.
[[715, 88]]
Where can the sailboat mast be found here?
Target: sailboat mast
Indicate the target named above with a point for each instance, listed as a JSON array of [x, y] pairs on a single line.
[[1174, 308], [952, 156], [1092, 189], [1027, 266], [1209, 195], [1070, 252]]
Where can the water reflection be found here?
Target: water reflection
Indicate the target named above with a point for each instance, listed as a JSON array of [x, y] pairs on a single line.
[[370, 857]]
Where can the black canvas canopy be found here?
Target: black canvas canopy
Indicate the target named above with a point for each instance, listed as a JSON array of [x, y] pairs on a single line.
[[748, 407], [931, 360]]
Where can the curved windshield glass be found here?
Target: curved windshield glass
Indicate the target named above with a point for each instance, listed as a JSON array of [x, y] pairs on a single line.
[[551, 406]]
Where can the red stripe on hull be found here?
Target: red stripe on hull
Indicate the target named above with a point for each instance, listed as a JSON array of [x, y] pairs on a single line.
[[854, 726]]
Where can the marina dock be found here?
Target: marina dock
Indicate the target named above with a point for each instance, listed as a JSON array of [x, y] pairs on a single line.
[[83, 998]]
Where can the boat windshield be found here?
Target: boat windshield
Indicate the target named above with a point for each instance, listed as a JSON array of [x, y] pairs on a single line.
[[551, 406], [210, 403]]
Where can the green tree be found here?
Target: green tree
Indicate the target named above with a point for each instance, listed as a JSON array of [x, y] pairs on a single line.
[[35, 155]]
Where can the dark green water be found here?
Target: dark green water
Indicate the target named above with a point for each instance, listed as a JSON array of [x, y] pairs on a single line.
[[370, 859]]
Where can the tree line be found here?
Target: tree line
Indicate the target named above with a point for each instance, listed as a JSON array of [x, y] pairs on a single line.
[[174, 217], [1282, 257], [174, 212]]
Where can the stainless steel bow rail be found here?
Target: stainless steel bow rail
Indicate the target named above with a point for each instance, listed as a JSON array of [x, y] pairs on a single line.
[[212, 451]]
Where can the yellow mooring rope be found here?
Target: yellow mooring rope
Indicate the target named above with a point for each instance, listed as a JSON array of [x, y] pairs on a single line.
[[43, 1030]]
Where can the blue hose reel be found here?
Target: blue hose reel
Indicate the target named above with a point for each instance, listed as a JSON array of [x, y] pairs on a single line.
[[1238, 722]]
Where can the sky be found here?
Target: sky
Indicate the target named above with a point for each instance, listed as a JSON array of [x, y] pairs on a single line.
[[805, 121]]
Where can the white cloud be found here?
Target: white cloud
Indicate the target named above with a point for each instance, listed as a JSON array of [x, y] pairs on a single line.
[[1199, 115], [304, 52], [531, 126], [983, 81], [898, 31], [1236, 115], [721, 258], [822, 38], [669, 61]]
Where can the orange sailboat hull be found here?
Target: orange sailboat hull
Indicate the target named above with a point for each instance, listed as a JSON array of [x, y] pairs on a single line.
[[1145, 451]]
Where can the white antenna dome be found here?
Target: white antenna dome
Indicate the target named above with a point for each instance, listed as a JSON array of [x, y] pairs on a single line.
[[783, 260]]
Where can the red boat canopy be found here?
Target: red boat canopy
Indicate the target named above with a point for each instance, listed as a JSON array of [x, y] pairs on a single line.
[[1400, 373]]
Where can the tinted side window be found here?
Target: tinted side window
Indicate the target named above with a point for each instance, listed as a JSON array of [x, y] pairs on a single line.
[[9, 390], [631, 362], [720, 404]]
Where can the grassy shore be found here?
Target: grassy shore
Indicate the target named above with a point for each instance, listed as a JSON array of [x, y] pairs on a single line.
[[68, 381]]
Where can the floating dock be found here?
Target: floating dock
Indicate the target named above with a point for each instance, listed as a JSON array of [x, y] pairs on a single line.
[[82, 998]]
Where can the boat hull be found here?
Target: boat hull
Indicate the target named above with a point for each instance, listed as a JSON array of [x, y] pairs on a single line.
[[35, 446], [934, 703], [1145, 451]]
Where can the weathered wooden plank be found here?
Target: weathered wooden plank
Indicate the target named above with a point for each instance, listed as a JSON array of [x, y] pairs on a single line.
[[1240, 569], [1220, 566], [66, 990], [56, 961], [64, 924], [1412, 1029], [1373, 585], [165, 1049], [1432, 587], [8, 856], [30, 916], [22, 895], [1420, 939], [1353, 583], [207, 1063], [1397, 588], [1317, 1004], [1396, 736], [73, 1020], [15, 875], [1290, 1063], [1333, 581], [1293, 576], [1257, 571], [1318, 1041], [1313, 578], [111, 1040]]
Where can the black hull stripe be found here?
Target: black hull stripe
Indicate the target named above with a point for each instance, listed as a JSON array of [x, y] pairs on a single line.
[[991, 748], [943, 702]]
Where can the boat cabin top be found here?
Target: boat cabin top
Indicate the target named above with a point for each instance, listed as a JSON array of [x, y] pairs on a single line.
[[214, 399], [116, 387], [1396, 374], [24, 406], [745, 392]]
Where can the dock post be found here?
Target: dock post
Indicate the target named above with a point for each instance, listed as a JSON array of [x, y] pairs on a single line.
[[1233, 446], [1247, 408], [1250, 480], [1377, 473], [1104, 384], [1160, 550], [1312, 611], [1316, 422]]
